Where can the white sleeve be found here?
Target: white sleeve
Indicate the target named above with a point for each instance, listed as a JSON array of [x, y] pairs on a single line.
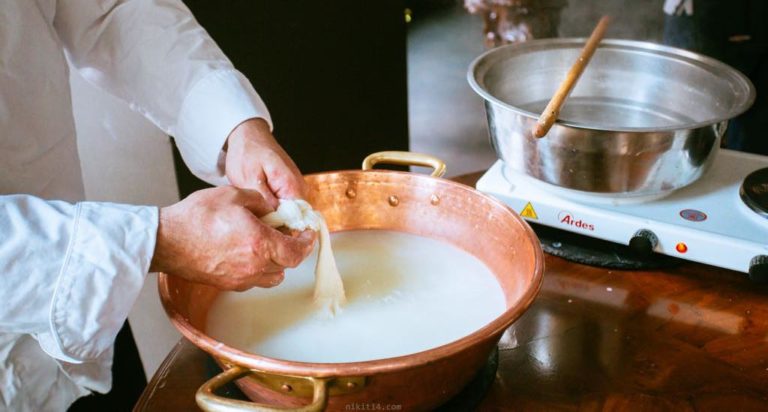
[[70, 273], [156, 57]]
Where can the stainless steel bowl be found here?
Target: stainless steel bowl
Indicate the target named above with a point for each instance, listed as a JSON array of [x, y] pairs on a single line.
[[643, 120]]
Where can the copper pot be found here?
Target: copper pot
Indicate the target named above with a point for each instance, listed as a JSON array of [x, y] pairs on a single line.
[[376, 199]]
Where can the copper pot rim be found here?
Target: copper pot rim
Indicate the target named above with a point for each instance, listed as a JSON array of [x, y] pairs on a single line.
[[254, 361]]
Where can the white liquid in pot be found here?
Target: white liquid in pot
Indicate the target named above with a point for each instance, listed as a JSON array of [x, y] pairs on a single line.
[[405, 294]]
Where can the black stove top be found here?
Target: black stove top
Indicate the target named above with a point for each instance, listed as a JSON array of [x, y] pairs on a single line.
[[591, 251], [754, 191]]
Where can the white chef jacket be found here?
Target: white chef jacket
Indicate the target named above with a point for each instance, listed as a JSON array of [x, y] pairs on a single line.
[[69, 273]]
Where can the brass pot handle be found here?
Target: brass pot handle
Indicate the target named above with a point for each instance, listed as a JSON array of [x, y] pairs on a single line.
[[405, 159], [209, 401]]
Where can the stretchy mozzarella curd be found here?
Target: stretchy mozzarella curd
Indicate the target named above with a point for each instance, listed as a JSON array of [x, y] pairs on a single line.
[[298, 215], [404, 294]]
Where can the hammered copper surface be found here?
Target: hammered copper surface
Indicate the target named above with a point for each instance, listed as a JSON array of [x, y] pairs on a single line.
[[690, 338], [418, 204]]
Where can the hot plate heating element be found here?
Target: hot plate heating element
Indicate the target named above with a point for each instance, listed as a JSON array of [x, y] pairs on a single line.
[[707, 221]]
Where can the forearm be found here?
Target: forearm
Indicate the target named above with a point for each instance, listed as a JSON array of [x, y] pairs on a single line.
[[72, 272], [30, 231], [157, 58]]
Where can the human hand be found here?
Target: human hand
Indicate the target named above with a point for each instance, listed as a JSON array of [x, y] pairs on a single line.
[[473, 6], [515, 21], [256, 161], [214, 236]]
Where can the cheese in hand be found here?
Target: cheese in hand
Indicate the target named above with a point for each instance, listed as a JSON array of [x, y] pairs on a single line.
[[299, 215]]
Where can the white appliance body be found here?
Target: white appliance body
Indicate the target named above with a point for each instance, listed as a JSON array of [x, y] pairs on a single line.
[[705, 222]]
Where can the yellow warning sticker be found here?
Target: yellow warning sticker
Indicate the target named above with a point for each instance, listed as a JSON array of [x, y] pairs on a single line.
[[529, 212]]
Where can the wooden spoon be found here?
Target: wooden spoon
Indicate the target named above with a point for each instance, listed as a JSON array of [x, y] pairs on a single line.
[[552, 111]]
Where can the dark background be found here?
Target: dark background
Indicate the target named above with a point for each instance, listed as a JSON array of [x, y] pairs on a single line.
[[333, 75]]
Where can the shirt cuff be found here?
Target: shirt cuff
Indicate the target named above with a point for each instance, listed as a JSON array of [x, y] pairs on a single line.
[[108, 256], [216, 104]]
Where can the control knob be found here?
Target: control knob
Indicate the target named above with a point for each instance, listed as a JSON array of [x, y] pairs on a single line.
[[643, 242], [758, 269]]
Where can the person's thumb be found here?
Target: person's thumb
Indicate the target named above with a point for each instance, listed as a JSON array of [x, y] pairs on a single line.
[[254, 201]]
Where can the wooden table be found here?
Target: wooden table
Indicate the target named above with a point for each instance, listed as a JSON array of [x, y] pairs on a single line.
[[693, 338]]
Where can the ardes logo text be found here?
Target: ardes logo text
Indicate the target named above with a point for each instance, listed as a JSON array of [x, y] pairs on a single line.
[[567, 218]]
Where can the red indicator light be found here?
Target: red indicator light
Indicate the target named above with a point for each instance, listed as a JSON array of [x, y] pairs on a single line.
[[681, 247]]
